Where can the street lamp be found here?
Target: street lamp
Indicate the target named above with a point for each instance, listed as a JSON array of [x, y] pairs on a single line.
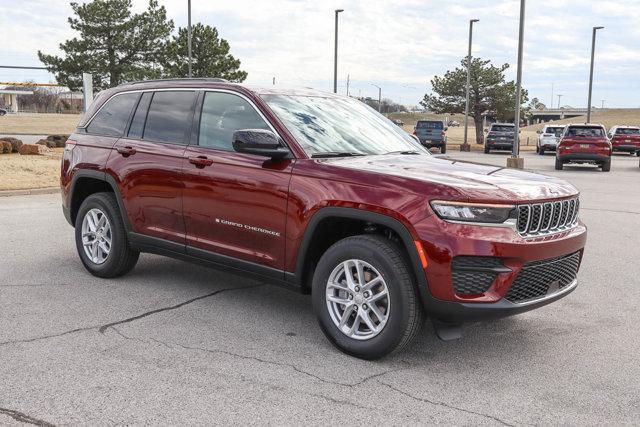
[[593, 48], [335, 55], [379, 97], [559, 98], [189, 34], [515, 160], [465, 145]]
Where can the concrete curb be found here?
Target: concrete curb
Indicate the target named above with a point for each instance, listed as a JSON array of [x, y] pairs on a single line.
[[29, 192]]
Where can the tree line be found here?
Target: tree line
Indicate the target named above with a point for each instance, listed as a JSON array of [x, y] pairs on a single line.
[[116, 45]]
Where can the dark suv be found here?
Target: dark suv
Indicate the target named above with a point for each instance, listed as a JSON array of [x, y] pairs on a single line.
[[431, 133], [318, 193], [500, 136]]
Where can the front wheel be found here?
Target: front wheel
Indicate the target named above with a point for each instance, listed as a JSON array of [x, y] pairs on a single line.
[[101, 238], [364, 297], [541, 151], [486, 149]]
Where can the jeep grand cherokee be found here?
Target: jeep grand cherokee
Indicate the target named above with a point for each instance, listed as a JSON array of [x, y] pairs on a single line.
[[319, 193]]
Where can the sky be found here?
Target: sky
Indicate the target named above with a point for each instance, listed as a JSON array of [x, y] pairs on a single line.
[[398, 45]]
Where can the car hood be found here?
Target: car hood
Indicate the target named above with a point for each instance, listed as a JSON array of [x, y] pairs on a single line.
[[473, 181]]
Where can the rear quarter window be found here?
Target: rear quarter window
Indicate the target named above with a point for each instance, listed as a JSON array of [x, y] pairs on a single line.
[[112, 118]]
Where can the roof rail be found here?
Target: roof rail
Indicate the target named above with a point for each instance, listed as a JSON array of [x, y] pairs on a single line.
[[186, 79]]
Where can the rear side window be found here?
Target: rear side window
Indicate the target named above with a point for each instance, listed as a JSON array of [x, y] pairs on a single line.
[[429, 125], [585, 131], [169, 116], [112, 118], [139, 117], [222, 114]]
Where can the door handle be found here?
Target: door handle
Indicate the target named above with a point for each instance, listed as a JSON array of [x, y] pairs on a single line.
[[126, 151], [200, 161]]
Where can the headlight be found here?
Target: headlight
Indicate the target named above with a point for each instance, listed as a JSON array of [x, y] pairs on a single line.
[[472, 212]]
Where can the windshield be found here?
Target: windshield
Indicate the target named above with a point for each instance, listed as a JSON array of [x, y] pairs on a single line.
[[557, 131], [502, 128], [429, 125], [339, 125], [627, 131], [585, 131]]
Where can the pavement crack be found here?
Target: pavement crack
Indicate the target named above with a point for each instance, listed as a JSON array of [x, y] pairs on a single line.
[[103, 328], [446, 405], [21, 417]]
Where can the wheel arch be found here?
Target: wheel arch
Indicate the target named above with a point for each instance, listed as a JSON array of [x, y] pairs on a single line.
[[314, 227], [87, 182]]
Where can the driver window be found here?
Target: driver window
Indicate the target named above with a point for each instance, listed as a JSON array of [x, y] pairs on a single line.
[[222, 114]]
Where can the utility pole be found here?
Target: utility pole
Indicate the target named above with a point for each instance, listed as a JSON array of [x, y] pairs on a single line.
[[559, 98], [274, 80], [335, 54], [515, 161], [593, 48], [465, 145], [602, 106], [379, 97], [189, 34], [347, 84], [551, 105]]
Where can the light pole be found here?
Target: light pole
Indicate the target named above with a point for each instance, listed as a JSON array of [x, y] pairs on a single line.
[[551, 105], [593, 48], [559, 98], [516, 161], [189, 34], [602, 106], [379, 97], [335, 55], [465, 145]]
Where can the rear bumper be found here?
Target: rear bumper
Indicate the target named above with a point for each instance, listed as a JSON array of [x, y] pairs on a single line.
[[583, 158], [500, 145], [626, 148], [432, 143], [443, 241]]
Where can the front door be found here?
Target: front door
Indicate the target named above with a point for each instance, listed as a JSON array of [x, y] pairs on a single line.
[[234, 204]]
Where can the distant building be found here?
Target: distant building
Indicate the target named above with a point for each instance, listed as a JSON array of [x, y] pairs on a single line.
[[10, 98]]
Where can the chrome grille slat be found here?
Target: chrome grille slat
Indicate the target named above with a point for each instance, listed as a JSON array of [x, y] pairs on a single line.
[[537, 219]]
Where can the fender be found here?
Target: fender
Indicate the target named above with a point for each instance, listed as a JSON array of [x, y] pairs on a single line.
[[100, 176], [352, 213]]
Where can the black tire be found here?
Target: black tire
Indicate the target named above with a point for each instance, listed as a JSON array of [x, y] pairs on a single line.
[[486, 149], [638, 153], [406, 314], [541, 151], [443, 149], [559, 164], [606, 166], [121, 258], [537, 149]]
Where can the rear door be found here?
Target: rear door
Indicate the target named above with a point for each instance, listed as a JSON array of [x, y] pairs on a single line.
[[234, 203], [147, 163]]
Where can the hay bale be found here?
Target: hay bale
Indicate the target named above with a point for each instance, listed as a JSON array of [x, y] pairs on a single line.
[[5, 147], [47, 143], [58, 140], [34, 149], [15, 143]]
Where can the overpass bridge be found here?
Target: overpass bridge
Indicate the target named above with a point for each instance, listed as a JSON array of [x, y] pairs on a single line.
[[539, 116]]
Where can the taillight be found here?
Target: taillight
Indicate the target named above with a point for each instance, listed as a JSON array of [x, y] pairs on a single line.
[[414, 132], [69, 145], [442, 134]]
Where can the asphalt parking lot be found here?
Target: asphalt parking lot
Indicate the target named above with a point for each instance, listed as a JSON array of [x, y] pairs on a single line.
[[174, 343]]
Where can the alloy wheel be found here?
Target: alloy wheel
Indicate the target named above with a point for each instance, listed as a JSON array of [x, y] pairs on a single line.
[[96, 236]]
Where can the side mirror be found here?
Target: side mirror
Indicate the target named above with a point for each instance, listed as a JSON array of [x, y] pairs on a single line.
[[260, 142]]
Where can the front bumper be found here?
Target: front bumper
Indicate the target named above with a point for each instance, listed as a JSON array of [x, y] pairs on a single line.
[[443, 241]]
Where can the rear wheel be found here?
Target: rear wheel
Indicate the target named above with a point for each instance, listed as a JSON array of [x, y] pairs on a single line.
[[606, 166], [537, 149], [443, 149], [486, 149], [559, 164], [101, 238], [541, 151], [364, 297]]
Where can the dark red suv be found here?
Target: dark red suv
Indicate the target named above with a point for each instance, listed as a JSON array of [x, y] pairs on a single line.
[[321, 194], [584, 143]]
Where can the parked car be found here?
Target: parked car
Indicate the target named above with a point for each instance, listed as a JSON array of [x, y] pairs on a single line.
[[318, 193], [500, 136], [548, 138], [3, 111], [584, 143], [453, 124], [398, 122], [431, 133], [625, 139]]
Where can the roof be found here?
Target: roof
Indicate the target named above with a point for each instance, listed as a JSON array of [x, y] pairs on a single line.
[[15, 92], [585, 124]]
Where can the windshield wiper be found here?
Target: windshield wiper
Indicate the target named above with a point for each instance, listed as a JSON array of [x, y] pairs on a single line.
[[405, 152], [335, 154]]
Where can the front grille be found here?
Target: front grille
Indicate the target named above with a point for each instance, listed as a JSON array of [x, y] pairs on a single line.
[[546, 218], [539, 278], [474, 275]]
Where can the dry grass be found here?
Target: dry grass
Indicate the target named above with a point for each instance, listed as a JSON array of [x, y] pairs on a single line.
[[38, 124], [19, 172]]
